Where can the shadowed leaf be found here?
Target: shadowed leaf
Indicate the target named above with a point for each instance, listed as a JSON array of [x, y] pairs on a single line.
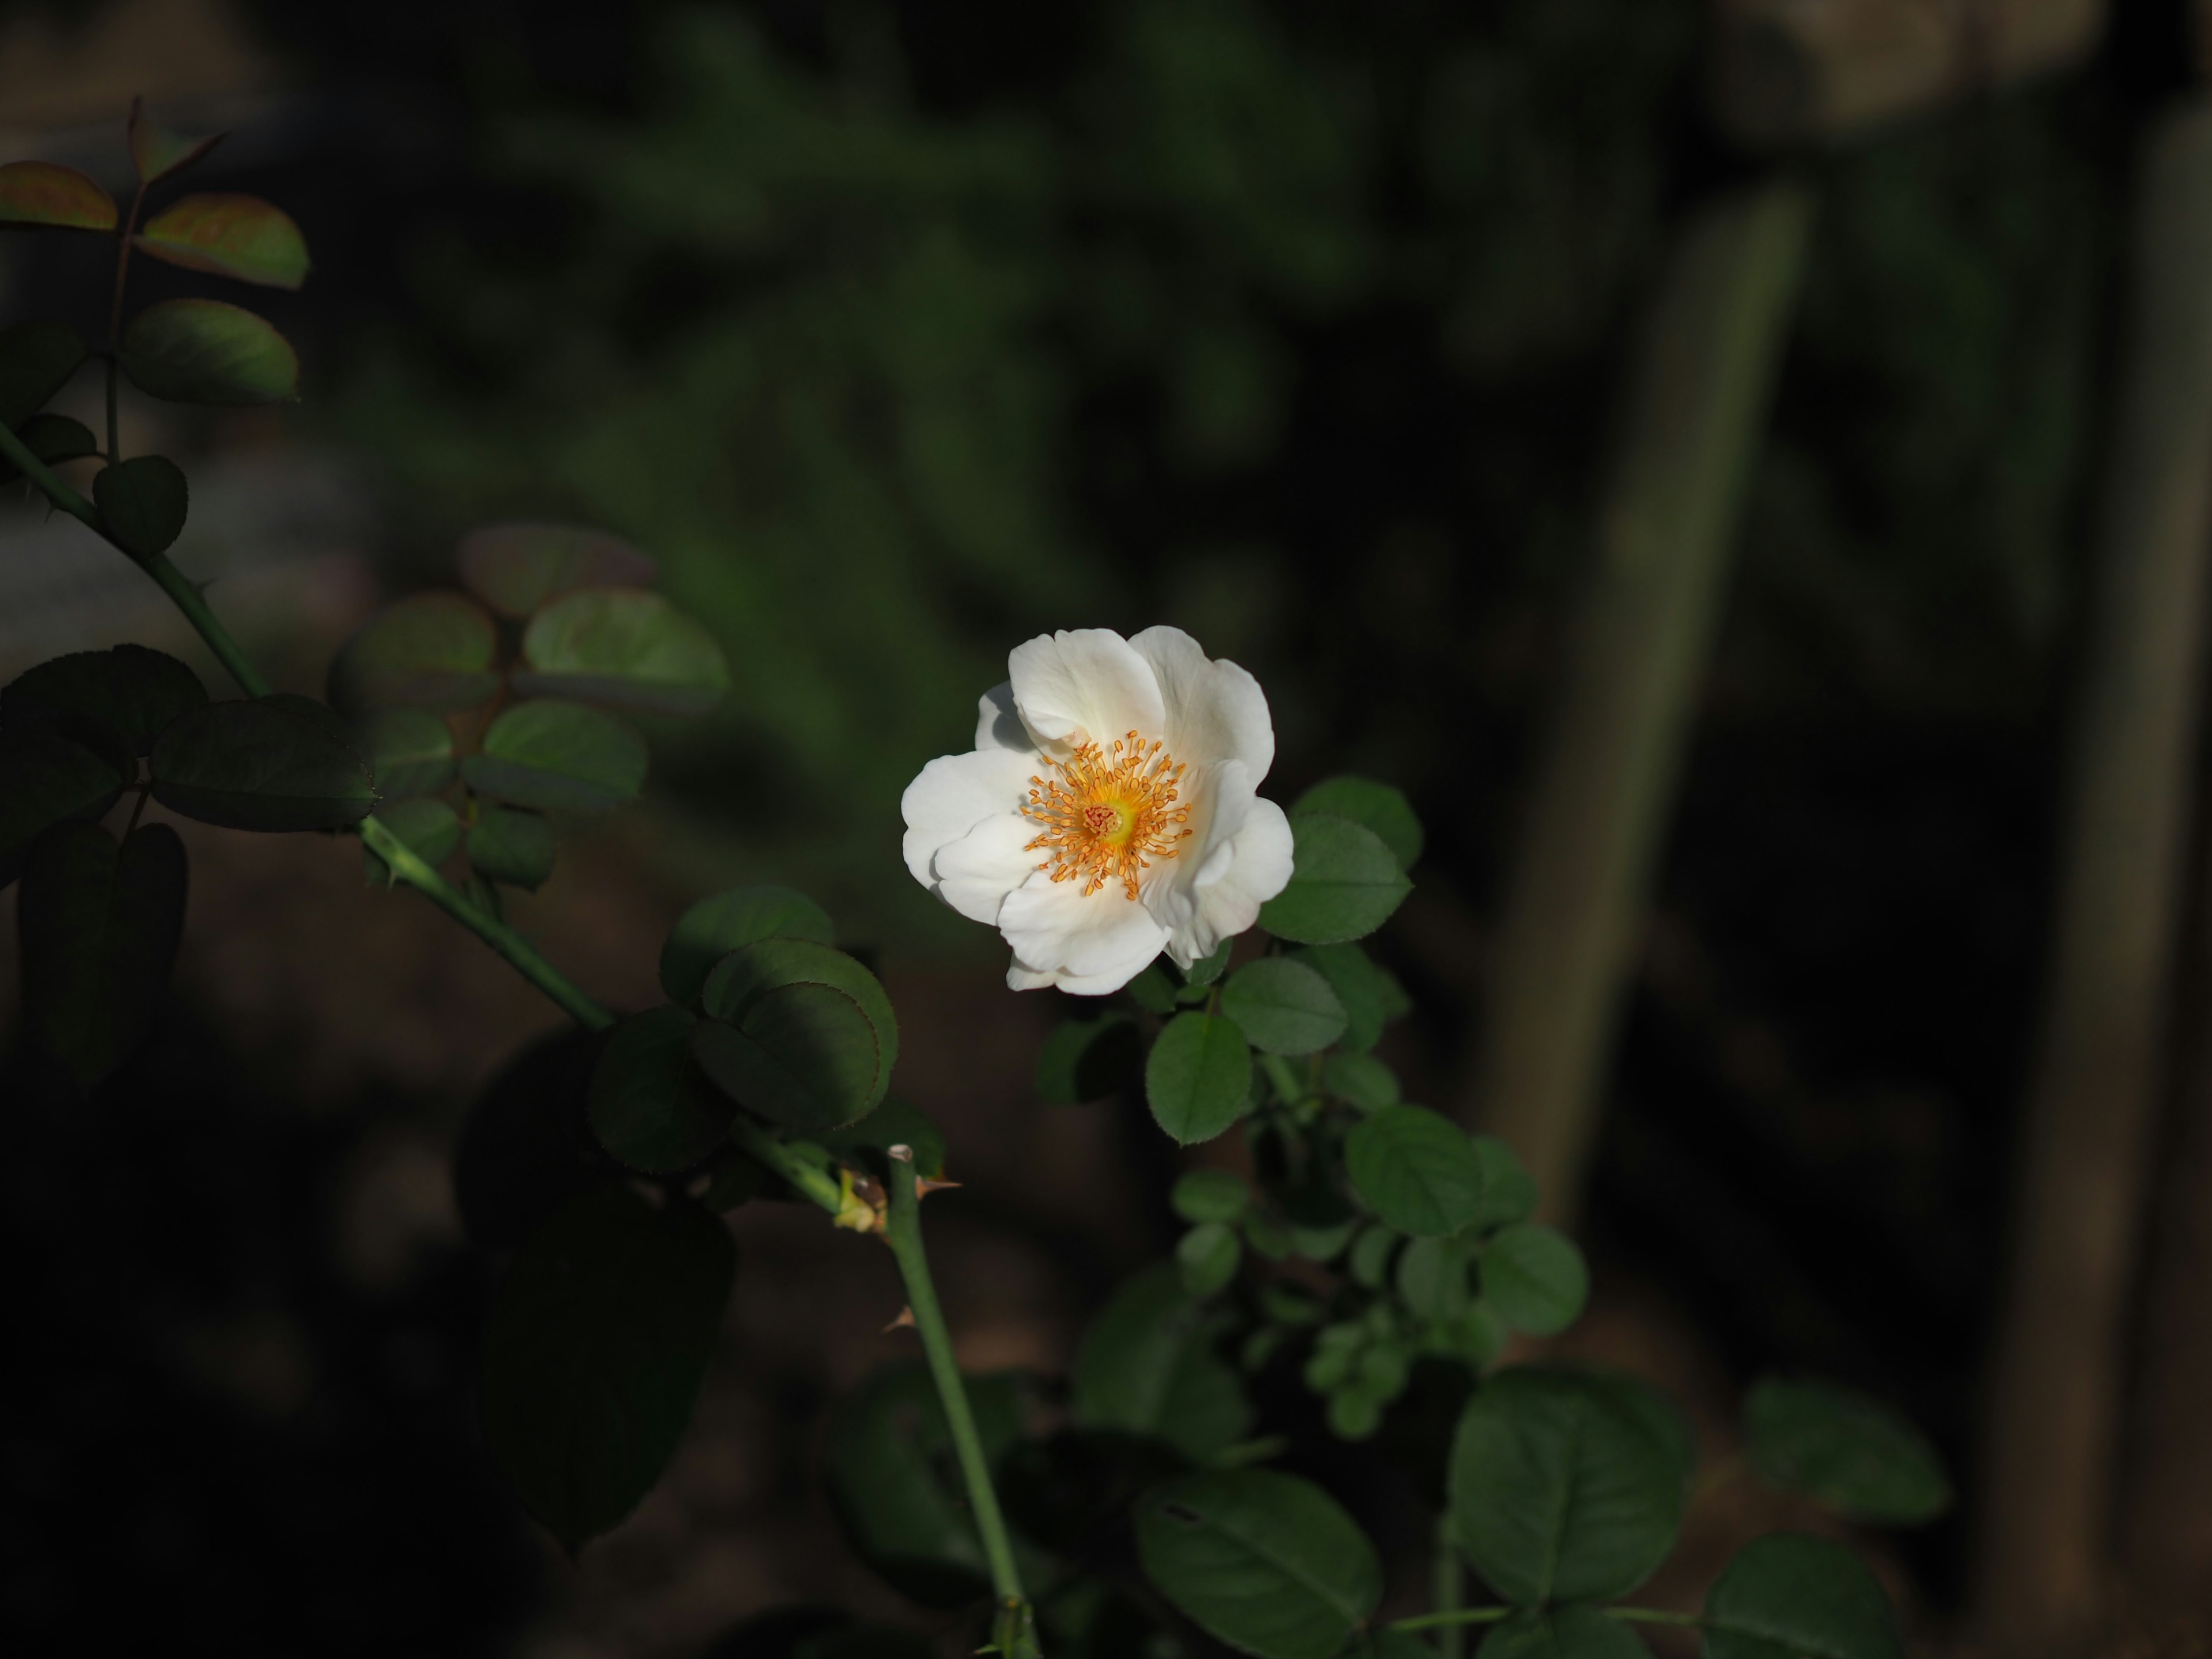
[[649, 1107], [1570, 1632], [802, 1055], [1852, 1453], [715, 927], [1536, 1279], [1380, 807], [515, 569], [766, 964], [1089, 1059], [47, 194], [258, 764], [410, 751], [1791, 1596], [36, 360], [511, 845], [54, 439], [558, 758], [428, 829], [526, 1146], [240, 236], [626, 648], [47, 778], [1416, 1169], [131, 691], [1147, 1366], [431, 651], [156, 152], [207, 351], [142, 502]]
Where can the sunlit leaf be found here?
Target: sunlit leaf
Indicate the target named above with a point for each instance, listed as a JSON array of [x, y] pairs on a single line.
[[208, 351], [712, 927], [1198, 1077], [410, 751], [1852, 1453], [142, 502], [1283, 1006], [131, 691], [1265, 1562], [47, 778], [36, 360], [515, 569], [1380, 807], [1344, 882], [99, 924], [431, 651], [156, 152], [240, 236], [46, 193], [1147, 1366], [257, 764], [1789, 1596], [804, 1055], [625, 648], [1415, 1169], [512, 845], [558, 758], [649, 1107], [598, 1342]]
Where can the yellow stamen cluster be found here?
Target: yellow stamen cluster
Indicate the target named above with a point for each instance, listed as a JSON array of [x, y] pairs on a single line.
[[1108, 813]]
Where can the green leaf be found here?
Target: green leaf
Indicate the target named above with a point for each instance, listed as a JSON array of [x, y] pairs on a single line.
[[206, 351], [1433, 1279], [526, 1146], [1559, 1491], [895, 1123], [1415, 1169], [1368, 1263], [1508, 1191], [1789, 1596], [598, 1342], [513, 846], [1209, 1195], [648, 1105], [1344, 882], [45, 779], [143, 502], [1851, 1453], [802, 1055], [156, 152], [1089, 1059], [889, 1465], [1208, 1258], [229, 235], [1568, 1632], [54, 439], [558, 758], [766, 964], [99, 924], [36, 360], [410, 751], [428, 829], [1378, 807], [515, 569], [1265, 1562], [1282, 1007], [1360, 1080], [1147, 1367], [1205, 971], [1536, 1279], [713, 928], [624, 648], [1198, 1077], [1358, 986], [1152, 990], [429, 650], [53, 196], [129, 692], [258, 764]]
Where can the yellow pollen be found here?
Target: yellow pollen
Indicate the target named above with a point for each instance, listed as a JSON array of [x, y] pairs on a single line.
[[1108, 813]]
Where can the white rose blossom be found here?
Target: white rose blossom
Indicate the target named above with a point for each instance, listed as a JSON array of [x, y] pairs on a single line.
[[1108, 811]]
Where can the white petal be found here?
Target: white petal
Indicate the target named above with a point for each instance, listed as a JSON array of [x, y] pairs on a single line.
[[1022, 978], [1085, 686], [975, 873], [1259, 868], [999, 724], [1219, 798], [1215, 711], [956, 793], [1056, 929]]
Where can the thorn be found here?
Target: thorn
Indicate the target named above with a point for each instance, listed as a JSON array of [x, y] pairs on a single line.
[[903, 1322], [923, 1186]]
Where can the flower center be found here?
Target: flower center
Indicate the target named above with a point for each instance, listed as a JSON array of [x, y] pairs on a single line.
[[1108, 813]]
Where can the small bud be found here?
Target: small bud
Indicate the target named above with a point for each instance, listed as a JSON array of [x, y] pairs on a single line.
[[903, 1152]]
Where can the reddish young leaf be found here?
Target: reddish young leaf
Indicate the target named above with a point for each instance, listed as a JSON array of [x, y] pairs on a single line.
[[517, 568], [240, 236], [157, 152], [44, 193]]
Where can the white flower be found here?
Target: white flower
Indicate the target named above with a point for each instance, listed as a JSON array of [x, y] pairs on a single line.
[[1108, 810]]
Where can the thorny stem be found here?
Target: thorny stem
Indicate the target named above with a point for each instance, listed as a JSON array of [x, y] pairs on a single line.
[[1013, 1629], [813, 1181], [1450, 1590]]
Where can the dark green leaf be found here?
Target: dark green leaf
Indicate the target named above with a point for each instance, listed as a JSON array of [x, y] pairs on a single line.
[[1208, 1258], [890, 1469], [46, 779], [1536, 1279], [513, 846], [1087, 1058], [54, 439], [802, 1055], [1370, 1261], [625, 648], [1206, 970], [558, 758], [36, 360], [131, 691], [429, 651], [894, 1123], [99, 924], [1508, 1191], [1433, 1279], [1358, 986], [1209, 1195], [427, 828], [649, 1107], [51, 196], [1152, 990], [1791, 1596], [1147, 1367], [526, 1146], [1568, 1632], [410, 751], [1560, 1491], [598, 1342], [713, 928], [1265, 1562], [259, 764], [1415, 1169], [1344, 884], [143, 502], [517, 568], [206, 351], [1377, 807], [228, 235], [1198, 1077], [1282, 1007], [768, 964], [1360, 1080], [1852, 1453]]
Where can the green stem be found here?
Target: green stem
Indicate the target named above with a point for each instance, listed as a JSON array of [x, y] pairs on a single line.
[[903, 1232], [185, 594], [1457, 1616], [813, 1181], [1450, 1590]]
